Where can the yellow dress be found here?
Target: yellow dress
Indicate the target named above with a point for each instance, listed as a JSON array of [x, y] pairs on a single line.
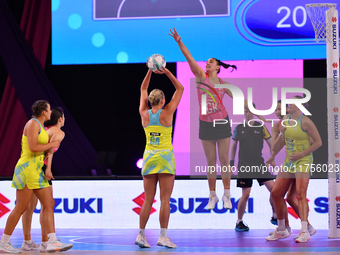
[[158, 155], [28, 171], [297, 141]]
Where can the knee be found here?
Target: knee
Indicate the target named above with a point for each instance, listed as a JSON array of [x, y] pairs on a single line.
[[148, 201], [165, 200], [301, 195], [48, 205], [275, 194], [224, 160]]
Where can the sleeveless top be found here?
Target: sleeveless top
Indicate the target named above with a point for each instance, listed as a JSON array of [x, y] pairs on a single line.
[[158, 156], [297, 140], [28, 170], [214, 111]]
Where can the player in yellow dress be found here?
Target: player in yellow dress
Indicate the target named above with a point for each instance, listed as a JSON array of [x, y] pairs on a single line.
[[29, 178], [296, 136], [158, 158]]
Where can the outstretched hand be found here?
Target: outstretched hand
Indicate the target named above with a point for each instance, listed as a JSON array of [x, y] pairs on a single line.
[[175, 35]]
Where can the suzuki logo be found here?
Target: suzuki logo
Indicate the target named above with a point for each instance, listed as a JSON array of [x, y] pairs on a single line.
[[337, 198], [334, 19], [335, 109], [335, 65], [3, 209], [337, 154], [140, 201]]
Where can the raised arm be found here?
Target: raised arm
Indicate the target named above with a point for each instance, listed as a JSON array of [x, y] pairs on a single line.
[[143, 105], [176, 98], [194, 67]]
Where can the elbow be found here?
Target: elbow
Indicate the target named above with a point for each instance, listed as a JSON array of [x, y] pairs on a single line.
[[32, 149], [320, 143]]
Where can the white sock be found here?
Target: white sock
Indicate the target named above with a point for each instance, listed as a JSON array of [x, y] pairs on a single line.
[[274, 215], [304, 226], [212, 193], [29, 241], [164, 232], [5, 238], [281, 225], [52, 237], [142, 231], [227, 192], [238, 221]]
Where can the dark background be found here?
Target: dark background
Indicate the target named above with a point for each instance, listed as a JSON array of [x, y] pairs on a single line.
[[104, 101]]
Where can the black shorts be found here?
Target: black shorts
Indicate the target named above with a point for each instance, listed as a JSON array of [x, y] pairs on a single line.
[[248, 183], [44, 169], [207, 131]]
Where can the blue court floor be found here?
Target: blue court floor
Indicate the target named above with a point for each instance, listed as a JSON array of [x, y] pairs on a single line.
[[113, 241]]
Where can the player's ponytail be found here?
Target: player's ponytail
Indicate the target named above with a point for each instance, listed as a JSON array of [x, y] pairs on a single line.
[[226, 66]]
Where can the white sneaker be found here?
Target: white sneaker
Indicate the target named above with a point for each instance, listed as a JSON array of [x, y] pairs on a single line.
[[57, 246], [212, 202], [43, 248], [8, 247], [311, 231], [142, 242], [226, 202], [303, 237], [278, 235], [166, 242], [288, 228], [29, 246]]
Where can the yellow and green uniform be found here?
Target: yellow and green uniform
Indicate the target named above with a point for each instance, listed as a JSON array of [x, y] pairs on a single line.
[[158, 155], [297, 140], [28, 169]]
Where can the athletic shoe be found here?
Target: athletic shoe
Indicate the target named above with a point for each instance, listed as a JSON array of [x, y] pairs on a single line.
[[8, 247], [26, 246], [43, 248], [303, 237], [212, 202], [273, 221], [226, 202], [288, 228], [241, 227], [166, 242], [311, 231], [278, 235], [57, 246], [142, 242]]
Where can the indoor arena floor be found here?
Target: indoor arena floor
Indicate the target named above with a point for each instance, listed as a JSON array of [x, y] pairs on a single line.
[[203, 242]]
